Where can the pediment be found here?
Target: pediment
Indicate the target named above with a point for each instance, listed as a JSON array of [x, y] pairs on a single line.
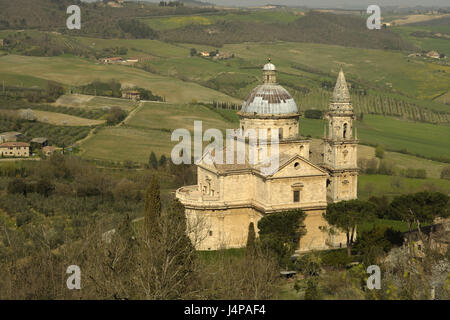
[[298, 166]]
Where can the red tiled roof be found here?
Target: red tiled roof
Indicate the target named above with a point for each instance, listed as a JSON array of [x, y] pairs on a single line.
[[14, 144]]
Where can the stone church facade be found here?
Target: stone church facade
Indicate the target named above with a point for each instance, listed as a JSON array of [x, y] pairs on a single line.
[[228, 197]]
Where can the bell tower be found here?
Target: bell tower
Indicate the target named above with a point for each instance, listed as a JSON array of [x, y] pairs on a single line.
[[340, 145]]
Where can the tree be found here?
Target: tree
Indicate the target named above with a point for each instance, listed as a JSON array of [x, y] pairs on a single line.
[[193, 52], [379, 151], [374, 243], [347, 215], [44, 187], [115, 115], [312, 289], [251, 241], [280, 233], [419, 208], [17, 185], [162, 161], [152, 211], [445, 173], [381, 203], [153, 162]]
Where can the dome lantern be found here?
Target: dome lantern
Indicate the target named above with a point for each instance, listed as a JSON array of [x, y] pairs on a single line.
[[269, 98], [269, 72]]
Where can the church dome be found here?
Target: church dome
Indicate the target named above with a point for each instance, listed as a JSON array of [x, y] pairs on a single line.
[[269, 98], [269, 67]]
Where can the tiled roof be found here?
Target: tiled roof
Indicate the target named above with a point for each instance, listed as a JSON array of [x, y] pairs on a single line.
[[14, 144]]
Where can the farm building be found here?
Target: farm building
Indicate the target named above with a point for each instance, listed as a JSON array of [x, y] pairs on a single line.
[[39, 142], [131, 94], [10, 136], [15, 149], [436, 236], [48, 150], [111, 60], [433, 54], [1, 43]]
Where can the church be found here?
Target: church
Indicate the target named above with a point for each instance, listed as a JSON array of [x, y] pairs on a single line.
[[228, 197]]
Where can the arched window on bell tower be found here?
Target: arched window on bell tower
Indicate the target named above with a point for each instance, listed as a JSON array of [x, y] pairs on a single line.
[[345, 131]]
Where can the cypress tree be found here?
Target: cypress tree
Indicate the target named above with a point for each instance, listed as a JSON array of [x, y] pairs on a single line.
[[153, 161], [162, 161], [251, 239]]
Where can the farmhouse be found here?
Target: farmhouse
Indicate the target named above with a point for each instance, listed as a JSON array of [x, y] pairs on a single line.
[[15, 149], [433, 54], [228, 197], [111, 60], [48, 150], [2, 43], [436, 236], [10, 136], [204, 54], [131, 94]]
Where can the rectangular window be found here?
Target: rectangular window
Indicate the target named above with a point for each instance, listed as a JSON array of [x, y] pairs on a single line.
[[296, 195]]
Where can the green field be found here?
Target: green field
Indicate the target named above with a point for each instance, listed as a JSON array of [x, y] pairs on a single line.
[[427, 43], [73, 71], [91, 102], [417, 79], [149, 130], [59, 119], [418, 138], [377, 185], [261, 16]]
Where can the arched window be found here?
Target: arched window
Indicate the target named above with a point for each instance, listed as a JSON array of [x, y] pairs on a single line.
[[280, 133], [345, 130]]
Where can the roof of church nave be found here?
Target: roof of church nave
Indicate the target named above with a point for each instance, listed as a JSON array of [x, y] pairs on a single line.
[[269, 98], [224, 168]]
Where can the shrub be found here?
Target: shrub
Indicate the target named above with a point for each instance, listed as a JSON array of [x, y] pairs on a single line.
[[445, 173], [336, 258], [379, 152]]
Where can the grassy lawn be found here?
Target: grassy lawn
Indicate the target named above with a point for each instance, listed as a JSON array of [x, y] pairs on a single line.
[[377, 185], [394, 224], [121, 143]]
